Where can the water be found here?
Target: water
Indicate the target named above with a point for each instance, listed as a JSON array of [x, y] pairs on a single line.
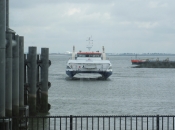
[[129, 91]]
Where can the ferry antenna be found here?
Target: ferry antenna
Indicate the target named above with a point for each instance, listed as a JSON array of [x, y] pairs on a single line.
[[89, 46]]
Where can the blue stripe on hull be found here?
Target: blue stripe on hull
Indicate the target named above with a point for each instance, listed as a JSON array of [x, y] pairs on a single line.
[[70, 73], [104, 74]]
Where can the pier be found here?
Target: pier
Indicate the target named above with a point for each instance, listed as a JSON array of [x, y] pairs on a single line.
[[23, 77]]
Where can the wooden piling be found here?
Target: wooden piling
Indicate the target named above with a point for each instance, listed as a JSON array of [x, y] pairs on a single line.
[[2, 56], [21, 71], [8, 99], [15, 82], [44, 79], [32, 75]]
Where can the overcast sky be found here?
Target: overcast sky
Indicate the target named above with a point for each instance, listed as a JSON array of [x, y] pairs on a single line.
[[133, 26]]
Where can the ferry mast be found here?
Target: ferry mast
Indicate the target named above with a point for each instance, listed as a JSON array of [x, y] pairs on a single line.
[[90, 44]]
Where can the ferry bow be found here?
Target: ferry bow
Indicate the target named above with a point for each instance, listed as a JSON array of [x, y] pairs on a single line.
[[89, 62]]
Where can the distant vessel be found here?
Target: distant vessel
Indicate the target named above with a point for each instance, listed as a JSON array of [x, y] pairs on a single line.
[[89, 62], [148, 63]]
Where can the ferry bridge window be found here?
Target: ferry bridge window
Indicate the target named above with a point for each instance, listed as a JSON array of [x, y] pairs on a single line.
[[88, 55], [94, 55], [81, 55]]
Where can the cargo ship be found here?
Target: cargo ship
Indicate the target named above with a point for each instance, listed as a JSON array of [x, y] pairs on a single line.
[[148, 63]]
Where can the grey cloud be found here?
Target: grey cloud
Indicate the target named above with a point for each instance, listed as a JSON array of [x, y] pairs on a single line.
[[31, 3], [122, 26], [140, 11]]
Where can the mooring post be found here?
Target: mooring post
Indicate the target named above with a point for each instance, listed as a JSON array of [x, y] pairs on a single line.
[[7, 14], [15, 82], [23, 109], [32, 75], [44, 79], [38, 81], [25, 62], [21, 71], [38, 69], [8, 106], [25, 81], [2, 56]]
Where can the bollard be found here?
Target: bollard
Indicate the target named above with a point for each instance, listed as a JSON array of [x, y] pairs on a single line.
[[15, 82], [2, 57], [44, 79], [8, 102], [32, 73]]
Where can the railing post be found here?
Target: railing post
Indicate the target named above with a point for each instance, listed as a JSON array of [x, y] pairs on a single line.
[[157, 122], [71, 123]]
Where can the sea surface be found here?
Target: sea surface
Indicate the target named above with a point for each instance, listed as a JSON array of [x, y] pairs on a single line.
[[128, 91]]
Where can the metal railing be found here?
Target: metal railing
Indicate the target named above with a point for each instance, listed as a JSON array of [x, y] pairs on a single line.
[[130, 122]]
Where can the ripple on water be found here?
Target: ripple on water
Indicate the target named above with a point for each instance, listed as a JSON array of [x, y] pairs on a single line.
[[128, 91]]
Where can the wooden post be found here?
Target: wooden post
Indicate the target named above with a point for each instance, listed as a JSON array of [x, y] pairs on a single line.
[[8, 102], [21, 71], [2, 57], [32, 75], [15, 82], [44, 79]]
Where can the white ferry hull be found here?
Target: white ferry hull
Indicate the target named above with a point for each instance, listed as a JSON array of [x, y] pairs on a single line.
[[89, 62], [105, 74], [102, 67]]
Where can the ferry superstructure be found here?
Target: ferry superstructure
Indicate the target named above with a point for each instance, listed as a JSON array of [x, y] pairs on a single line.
[[89, 62]]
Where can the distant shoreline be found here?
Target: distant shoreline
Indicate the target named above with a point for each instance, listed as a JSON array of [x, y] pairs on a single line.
[[126, 54], [142, 55]]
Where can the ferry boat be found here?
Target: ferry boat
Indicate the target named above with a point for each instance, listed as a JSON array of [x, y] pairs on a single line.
[[89, 62]]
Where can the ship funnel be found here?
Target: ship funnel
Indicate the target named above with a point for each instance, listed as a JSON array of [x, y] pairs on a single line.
[[73, 53], [103, 54]]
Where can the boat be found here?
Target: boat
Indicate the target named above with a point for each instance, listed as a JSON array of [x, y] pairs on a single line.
[[138, 61], [150, 63], [89, 62]]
